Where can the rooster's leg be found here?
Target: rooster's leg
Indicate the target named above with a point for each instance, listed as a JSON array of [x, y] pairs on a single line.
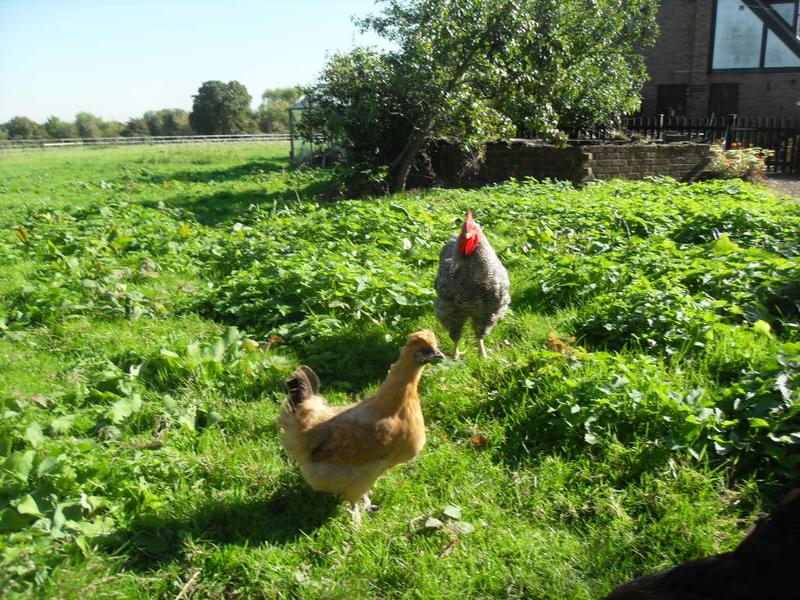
[[455, 329], [481, 348]]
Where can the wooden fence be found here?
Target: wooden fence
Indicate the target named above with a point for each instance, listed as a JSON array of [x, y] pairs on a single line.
[[130, 141], [782, 136]]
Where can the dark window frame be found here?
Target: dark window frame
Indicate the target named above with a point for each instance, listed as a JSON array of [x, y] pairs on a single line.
[[762, 54]]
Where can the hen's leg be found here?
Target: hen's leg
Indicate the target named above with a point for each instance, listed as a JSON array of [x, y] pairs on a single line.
[[364, 504], [355, 511], [481, 348]]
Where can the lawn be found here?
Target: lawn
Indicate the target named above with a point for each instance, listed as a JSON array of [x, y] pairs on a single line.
[[639, 407]]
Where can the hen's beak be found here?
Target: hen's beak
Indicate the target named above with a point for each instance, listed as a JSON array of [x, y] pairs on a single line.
[[424, 357], [436, 357]]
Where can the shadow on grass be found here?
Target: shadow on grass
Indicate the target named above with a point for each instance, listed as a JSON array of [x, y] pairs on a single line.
[[280, 519], [351, 360], [200, 175], [226, 205]]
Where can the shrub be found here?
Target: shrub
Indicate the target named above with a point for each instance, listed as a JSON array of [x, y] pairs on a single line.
[[749, 164]]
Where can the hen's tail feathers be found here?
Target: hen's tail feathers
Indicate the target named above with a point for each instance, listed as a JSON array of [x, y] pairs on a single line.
[[303, 384]]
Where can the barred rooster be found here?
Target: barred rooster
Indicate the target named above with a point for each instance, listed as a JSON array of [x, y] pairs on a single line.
[[472, 283]]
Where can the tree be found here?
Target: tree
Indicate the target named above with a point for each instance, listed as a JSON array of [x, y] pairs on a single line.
[[88, 125], [22, 128], [136, 127], [111, 128], [168, 121], [222, 108], [273, 113], [468, 71], [56, 128]]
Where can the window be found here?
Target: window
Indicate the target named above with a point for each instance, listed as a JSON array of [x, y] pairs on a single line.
[[671, 100], [755, 34]]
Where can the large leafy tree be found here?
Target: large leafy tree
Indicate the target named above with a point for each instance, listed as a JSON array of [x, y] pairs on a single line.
[[470, 70], [222, 108]]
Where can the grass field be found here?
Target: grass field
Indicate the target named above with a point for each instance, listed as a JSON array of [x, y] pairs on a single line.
[[140, 452]]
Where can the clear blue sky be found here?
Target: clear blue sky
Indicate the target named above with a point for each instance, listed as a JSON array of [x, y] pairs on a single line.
[[119, 58]]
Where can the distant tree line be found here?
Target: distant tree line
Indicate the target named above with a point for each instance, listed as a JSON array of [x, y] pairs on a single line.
[[218, 108]]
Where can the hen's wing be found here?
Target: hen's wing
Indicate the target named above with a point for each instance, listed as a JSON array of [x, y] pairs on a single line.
[[351, 438]]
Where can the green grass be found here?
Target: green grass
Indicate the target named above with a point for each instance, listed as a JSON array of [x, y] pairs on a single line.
[[140, 452]]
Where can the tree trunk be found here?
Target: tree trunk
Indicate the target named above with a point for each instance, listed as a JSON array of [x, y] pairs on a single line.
[[407, 161]]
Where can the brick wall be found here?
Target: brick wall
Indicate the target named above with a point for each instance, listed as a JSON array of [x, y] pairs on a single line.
[[681, 161], [681, 56], [579, 164]]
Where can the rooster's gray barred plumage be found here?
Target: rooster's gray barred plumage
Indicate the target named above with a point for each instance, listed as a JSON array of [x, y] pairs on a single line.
[[472, 283]]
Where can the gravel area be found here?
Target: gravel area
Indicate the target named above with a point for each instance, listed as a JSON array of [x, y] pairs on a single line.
[[784, 185]]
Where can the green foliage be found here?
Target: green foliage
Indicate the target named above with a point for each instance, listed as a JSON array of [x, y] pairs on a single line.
[[88, 125], [221, 108], [22, 128], [638, 407], [469, 71], [316, 286], [56, 128], [136, 127], [273, 113], [168, 121], [111, 128]]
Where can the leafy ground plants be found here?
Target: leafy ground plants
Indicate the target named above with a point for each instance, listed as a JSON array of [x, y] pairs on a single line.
[[639, 406]]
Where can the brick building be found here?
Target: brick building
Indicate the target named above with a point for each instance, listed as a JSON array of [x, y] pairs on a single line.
[[725, 56]]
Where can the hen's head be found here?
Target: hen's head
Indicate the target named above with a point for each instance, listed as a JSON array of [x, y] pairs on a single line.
[[424, 347], [470, 236]]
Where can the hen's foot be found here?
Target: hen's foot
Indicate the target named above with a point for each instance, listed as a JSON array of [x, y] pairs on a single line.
[[355, 512]]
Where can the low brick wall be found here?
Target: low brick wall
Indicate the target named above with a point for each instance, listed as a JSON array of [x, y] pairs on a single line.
[[578, 164], [684, 162]]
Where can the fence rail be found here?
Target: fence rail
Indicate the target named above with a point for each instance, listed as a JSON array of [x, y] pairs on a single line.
[[131, 141]]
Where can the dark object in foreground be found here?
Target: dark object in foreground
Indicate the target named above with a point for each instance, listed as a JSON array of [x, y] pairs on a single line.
[[764, 566]]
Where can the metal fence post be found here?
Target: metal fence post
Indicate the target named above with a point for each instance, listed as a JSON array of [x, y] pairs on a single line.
[[730, 123]]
